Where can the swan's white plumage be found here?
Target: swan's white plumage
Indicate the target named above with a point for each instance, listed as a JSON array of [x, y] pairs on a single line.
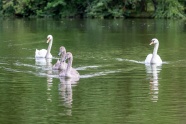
[[148, 59], [154, 58], [43, 52], [40, 53]]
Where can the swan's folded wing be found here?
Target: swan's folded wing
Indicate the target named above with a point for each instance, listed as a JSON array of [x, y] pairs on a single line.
[[40, 53], [36, 53], [56, 65], [159, 59], [148, 59]]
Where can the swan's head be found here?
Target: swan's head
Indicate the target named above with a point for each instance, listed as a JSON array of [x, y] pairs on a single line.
[[62, 50], [154, 41], [68, 56], [49, 38]]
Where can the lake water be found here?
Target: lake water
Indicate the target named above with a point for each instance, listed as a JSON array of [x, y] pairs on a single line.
[[115, 86]]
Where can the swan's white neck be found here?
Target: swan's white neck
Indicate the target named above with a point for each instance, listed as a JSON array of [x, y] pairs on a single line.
[[155, 49], [49, 49]]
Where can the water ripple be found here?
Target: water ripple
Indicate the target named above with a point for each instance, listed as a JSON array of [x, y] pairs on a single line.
[[85, 67], [98, 74]]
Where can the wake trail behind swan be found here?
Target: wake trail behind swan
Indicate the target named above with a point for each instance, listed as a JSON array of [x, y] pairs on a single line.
[[128, 60], [135, 61]]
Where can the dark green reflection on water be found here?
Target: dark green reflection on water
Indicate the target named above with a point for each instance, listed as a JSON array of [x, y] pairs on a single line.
[[115, 85]]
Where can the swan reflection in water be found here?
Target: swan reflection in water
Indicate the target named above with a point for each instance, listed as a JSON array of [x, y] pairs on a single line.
[[43, 61], [44, 69], [152, 71], [64, 87], [65, 91], [49, 85], [44, 66]]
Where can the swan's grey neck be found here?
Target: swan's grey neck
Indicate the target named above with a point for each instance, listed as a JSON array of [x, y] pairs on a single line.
[[63, 56], [69, 65], [49, 48]]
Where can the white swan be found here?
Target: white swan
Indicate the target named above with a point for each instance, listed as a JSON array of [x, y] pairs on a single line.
[[69, 72], [61, 64], [43, 53], [154, 58]]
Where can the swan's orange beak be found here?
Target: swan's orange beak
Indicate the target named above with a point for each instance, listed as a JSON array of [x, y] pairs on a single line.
[[48, 40], [152, 42]]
